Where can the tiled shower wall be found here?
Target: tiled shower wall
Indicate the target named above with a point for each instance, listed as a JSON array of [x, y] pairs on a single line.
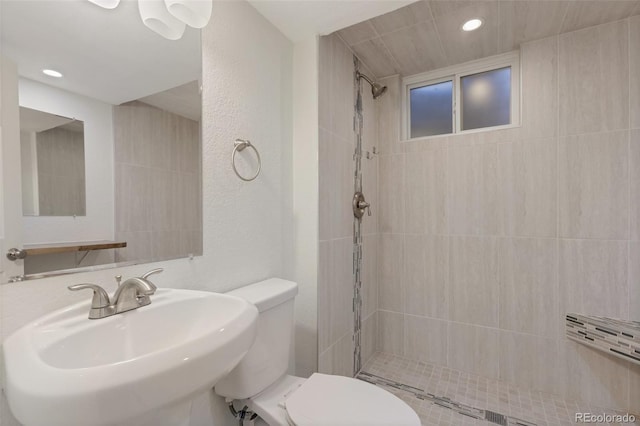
[[488, 239], [157, 183], [336, 180]]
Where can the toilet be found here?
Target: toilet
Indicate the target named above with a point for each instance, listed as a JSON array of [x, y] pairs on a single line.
[[260, 381]]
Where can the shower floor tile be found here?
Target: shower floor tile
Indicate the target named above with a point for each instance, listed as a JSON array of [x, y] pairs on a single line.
[[538, 408]]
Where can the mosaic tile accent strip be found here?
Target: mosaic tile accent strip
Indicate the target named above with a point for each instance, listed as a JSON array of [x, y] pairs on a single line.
[[616, 337], [540, 408]]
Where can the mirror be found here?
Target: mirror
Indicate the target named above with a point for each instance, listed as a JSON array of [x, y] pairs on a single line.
[[110, 150], [52, 164]]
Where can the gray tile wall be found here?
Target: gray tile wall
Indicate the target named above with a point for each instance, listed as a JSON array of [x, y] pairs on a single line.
[[489, 239], [61, 184], [336, 180], [158, 186]]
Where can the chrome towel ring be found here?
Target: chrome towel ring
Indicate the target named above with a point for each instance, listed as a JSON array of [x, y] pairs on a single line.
[[239, 145]]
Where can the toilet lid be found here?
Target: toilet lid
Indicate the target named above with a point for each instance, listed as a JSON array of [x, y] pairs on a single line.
[[337, 400]]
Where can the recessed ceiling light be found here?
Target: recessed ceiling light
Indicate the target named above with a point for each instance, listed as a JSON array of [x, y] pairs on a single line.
[[472, 24], [52, 73]]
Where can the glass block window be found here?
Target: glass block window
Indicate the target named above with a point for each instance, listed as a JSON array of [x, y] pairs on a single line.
[[432, 109], [478, 95]]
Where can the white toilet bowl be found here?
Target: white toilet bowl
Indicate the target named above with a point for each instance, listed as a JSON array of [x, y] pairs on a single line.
[[260, 381], [329, 400]]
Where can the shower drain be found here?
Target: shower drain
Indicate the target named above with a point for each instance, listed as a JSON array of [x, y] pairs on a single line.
[[445, 402]]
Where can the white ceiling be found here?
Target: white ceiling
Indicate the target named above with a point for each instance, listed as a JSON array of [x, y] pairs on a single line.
[[299, 19], [104, 54], [427, 35]]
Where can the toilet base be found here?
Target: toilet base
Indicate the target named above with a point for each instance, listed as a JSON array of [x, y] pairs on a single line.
[[268, 403]]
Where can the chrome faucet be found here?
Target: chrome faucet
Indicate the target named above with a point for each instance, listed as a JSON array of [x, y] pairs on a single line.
[[131, 294]]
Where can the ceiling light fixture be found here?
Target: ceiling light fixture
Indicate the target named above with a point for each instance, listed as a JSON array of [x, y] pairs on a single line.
[[195, 13], [52, 73], [156, 17], [472, 24], [107, 4], [169, 17]]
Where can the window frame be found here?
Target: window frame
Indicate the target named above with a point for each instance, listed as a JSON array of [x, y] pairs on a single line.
[[455, 73]]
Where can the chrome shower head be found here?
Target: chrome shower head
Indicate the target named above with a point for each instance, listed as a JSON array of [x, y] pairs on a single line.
[[377, 89]]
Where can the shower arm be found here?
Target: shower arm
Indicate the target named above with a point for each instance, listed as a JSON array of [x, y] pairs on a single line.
[[359, 75]]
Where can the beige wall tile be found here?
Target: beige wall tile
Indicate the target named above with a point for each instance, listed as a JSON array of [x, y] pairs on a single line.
[[369, 337], [594, 186], [529, 20], [338, 359], [326, 183], [426, 339], [358, 32], [370, 191], [417, 48], [425, 276], [527, 186], [139, 246], [335, 292], [390, 332], [341, 289], [634, 172], [388, 117], [634, 281], [539, 93], [425, 192], [634, 81], [529, 361], [375, 54], [326, 274], [593, 376], [593, 278], [325, 94], [391, 263], [594, 65], [461, 46], [132, 189], [473, 280], [529, 286], [342, 75], [634, 389], [472, 189], [391, 217], [582, 14], [474, 349], [369, 274], [403, 17]]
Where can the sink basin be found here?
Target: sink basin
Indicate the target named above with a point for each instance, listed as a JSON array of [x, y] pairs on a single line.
[[64, 369]]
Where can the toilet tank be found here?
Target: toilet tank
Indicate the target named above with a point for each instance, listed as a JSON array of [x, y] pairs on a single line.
[[268, 357]]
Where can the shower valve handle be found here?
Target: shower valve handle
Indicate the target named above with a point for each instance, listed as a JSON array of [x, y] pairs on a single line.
[[360, 205]]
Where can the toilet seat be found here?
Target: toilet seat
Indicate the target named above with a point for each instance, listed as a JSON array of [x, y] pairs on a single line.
[[336, 400]]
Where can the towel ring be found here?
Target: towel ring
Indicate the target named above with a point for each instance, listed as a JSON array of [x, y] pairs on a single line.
[[239, 145]]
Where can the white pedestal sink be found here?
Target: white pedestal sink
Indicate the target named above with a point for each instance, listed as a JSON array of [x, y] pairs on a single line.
[[64, 369]]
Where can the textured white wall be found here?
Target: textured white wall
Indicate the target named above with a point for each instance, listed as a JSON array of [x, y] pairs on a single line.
[[98, 144], [305, 202], [246, 93]]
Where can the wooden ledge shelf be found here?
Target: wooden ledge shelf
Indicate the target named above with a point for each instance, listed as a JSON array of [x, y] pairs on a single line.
[[36, 249]]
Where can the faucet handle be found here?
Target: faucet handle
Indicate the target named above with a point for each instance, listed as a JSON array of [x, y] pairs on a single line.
[[118, 279], [100, 296], [151, 272]]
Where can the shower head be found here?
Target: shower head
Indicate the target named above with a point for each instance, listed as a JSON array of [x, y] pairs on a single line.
[[377, 89]]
